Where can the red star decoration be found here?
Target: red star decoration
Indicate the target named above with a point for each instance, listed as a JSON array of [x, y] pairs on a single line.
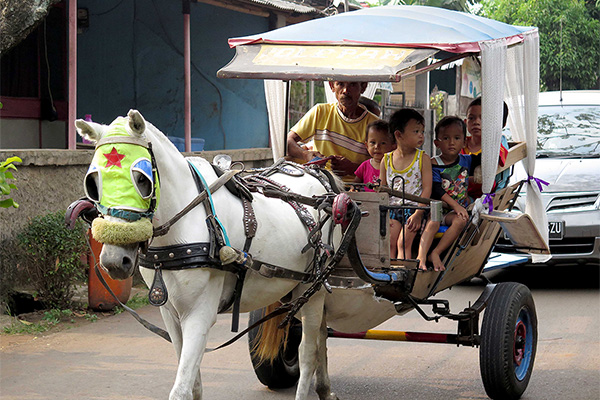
[[114, 158]]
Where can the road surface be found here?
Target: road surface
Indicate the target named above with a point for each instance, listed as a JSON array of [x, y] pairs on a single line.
[[116, 358]]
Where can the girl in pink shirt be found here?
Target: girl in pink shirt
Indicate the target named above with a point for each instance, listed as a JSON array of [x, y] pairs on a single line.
[[379, 141]]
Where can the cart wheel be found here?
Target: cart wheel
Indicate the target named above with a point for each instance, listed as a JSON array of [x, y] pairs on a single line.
[[508, 341], [284, 372]]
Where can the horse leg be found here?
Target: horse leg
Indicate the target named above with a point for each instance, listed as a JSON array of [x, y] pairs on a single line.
[[172, 324], [173, 327], [200, 315], [312, 315], [323, 384]]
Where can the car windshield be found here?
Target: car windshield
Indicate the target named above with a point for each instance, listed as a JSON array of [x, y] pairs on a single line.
[[568, 131]]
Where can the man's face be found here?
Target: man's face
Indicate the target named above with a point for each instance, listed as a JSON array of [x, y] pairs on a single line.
[[474, 120], [348, 93]]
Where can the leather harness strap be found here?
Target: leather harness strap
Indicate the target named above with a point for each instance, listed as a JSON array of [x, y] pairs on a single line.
[[122, 139], [164, 228]]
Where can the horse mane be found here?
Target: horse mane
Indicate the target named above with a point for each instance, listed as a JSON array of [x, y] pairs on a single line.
[[153, 132]]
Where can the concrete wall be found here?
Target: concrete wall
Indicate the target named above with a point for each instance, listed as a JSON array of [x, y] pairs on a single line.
[[131, 56], [50, 180], [20, 133]]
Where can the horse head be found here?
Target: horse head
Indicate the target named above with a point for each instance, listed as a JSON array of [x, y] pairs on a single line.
[[122, 182]]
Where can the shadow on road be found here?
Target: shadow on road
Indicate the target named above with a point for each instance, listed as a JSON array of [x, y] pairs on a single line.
[[547, 277]]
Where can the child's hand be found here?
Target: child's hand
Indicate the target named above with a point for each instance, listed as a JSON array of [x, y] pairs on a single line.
[[414, 222], [461, 212]]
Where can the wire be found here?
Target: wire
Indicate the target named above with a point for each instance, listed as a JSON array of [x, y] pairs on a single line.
[[109, 10], [48, 67]]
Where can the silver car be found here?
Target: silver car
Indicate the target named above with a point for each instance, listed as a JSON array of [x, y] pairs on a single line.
[[568, 158]]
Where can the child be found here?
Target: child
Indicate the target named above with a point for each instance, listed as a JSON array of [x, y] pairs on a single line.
[[450, 171], [411, 163], [379, 141], [473, 146]]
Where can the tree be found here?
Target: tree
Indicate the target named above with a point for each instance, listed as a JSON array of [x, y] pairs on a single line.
[[18, 18], [569, 38]]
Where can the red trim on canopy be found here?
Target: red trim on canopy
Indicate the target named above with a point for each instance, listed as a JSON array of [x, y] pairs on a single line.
[[467, 47]]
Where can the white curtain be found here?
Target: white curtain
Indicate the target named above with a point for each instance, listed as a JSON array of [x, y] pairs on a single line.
[[275, 94], [493, 59], [522, 84]]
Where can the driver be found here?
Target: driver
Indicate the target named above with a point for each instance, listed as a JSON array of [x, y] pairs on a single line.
[[338, 130]]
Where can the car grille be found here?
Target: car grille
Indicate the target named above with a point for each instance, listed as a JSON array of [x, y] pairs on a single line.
[[558, 204], [565, 246]]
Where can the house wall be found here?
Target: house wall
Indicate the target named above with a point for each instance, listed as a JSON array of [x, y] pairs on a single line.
[[131, 56]]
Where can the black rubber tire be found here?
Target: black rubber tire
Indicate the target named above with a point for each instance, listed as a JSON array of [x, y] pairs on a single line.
[[509, 318], [284, 372]]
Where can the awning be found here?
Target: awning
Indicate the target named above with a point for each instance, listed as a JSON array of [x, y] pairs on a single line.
[[372, 44], [289, 62]]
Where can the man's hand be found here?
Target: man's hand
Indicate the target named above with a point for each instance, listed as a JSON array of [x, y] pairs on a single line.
[[342, 166], [310, 154], [294, 149]]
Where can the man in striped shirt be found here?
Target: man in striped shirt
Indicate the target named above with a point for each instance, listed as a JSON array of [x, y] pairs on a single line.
[[338, 129]]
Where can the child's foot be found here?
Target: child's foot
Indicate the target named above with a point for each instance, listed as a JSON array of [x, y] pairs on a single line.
[[438, 265], [422, 264]]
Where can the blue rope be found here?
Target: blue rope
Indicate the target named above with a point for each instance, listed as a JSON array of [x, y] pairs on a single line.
[[212, 207]]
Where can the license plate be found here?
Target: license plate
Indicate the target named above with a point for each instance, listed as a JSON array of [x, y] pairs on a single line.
[[556, 229]]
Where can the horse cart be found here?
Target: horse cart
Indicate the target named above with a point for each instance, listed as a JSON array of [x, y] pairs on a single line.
[[317, 255]]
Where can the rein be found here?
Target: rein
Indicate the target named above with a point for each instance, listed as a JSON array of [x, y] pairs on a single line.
[[222, 180]]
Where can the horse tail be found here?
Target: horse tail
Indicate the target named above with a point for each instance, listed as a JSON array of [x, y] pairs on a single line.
[[269, 339]]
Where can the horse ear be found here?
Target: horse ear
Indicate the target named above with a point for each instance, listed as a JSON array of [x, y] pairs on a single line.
[[136, 122], [89, 130]]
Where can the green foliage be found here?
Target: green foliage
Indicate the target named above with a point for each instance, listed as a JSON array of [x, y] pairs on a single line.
[[19, 326], [569, 38], [5, 186], [50, 319], [135, 302], [436, 102], [299, 98], [53, 257]]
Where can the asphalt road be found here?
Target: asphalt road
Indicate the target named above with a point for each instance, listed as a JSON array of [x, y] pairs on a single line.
[[115, 358]]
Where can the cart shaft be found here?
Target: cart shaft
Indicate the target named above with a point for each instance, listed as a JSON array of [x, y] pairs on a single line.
[[398, 336]]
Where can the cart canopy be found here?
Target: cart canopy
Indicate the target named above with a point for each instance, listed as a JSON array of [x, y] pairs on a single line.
[[372, 44]]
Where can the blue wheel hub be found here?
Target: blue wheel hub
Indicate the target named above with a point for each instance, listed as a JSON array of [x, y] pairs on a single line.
[[523, 344]]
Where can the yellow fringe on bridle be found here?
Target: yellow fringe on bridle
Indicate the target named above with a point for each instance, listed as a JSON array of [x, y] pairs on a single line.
[[121, 233]]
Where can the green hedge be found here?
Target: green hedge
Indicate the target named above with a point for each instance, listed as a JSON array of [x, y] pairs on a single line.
[[53, 258]]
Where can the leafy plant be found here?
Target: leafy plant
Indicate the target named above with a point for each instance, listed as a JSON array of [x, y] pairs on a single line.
[[50, 319], [569, 39], [436, 102], [5, 186], [53, 258], [135, 302]]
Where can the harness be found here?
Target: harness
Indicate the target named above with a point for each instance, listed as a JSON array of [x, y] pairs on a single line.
[[217, 253]]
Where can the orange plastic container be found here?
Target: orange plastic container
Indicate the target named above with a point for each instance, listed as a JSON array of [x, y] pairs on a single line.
[[98, 297]]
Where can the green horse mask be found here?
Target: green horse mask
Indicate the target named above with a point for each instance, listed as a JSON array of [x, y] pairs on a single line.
[[123, 183]]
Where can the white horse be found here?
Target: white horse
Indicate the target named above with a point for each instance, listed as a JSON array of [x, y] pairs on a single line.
[[195, 295]]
